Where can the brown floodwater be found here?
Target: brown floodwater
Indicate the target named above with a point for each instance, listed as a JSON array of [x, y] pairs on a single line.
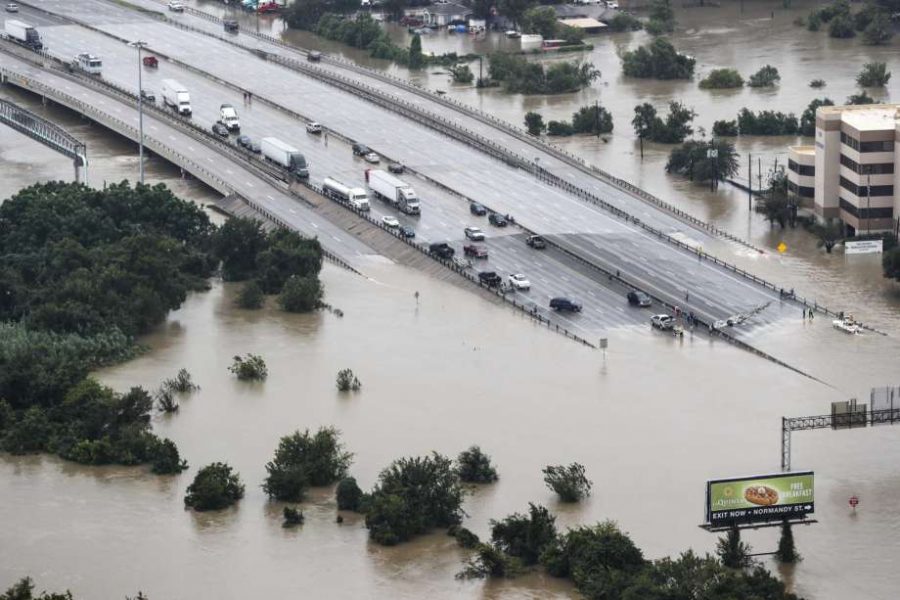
[[651, 419]]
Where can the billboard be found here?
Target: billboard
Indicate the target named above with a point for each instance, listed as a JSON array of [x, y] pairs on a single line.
[[863, 247], [758, 499]]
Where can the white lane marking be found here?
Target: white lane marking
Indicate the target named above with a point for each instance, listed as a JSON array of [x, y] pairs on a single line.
[[249, 184], [313, 224]]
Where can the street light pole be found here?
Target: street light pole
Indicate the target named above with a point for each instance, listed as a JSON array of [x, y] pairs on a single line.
[[869, 200], [140, 45]]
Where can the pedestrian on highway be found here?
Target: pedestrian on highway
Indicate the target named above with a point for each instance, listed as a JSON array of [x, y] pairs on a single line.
[[811, 315], [249, 98], [326, 139], [804, 313], [687, 297]]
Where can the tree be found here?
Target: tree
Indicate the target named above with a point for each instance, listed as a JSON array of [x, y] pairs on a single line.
[[347, 381], [622, 21], [593, 119], [662, 18], [489, 561], [657, 60], [474, 466], [828, 234], [464, 537], [306, 14], [734, 553], [534, 122], [643, 122], [24, 590], [462, 74], [521, 76], [301, 294], [767, 76], [879, 31], [165, 458], [237, 243], [677, 125], [560, 128], [767, 122], [250, 297], [692, 160], [514, 10], [348, 494], [808, 118], [412, 496], [779, 206], [873, 74], [182, 383], [725, 128], [303, 460], [416, 58], [569, 482], [719, 79], [541, 20], [287, 254], [860, 98], [787, 551], [841, 27], [525, 536], [166, 401], [586, 550], [216, 486], [890, 263], [250, 368], [817, 83]]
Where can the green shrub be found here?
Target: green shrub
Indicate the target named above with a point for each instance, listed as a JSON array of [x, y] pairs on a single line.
[[250, 368], [568, 481], [348, 494], [719, 79], [216, 486], [474, 466]]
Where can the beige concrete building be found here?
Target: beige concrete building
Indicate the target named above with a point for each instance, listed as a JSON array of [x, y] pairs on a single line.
[[850, 172]]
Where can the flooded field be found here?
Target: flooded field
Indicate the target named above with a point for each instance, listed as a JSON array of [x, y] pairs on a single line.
[[651, 419]]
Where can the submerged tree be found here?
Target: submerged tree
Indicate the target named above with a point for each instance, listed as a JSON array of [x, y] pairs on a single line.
[[734, 553], [474, 466], [216, 486], [525, 536], [873, 74], [250, 368], [347, 381], [787, 551], [305, 459], [568, 481]]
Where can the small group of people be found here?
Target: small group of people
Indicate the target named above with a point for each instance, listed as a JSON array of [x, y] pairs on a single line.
[[810, 314], [248, 98]]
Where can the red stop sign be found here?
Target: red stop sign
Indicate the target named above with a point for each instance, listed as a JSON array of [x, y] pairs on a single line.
[[854, 501]]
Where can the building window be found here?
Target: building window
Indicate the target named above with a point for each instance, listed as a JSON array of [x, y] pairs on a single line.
[[801, 190], [873, 169], [884, 146], [850, 141], [801, 169], [867, 213], [861, 190]]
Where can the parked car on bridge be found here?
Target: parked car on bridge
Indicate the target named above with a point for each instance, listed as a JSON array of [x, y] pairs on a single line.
[[489, 278], [519, 282], [475, 251], [663, 322], [638, 298], [477, 209], [442, 250], [390, 222], [372, 158], [231, 25], [474, 233], [12, 7], [497, 220], [360, 149], [314, 128], [536, 242], [396, 168], [407, 231], [314, 56], [565, 304], [243, 141], [176, 6], [148, 96], [219, 129]]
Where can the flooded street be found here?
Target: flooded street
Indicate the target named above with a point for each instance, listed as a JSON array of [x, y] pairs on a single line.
[[651, 419]]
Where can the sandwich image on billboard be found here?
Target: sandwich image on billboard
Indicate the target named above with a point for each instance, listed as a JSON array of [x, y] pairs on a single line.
[[758, 499]]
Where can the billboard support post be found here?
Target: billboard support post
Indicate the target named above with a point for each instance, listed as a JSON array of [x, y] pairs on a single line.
[[785, 446]]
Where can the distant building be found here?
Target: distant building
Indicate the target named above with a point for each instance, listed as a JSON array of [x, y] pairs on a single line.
[[586, 24], [441, 15], [850, 173]]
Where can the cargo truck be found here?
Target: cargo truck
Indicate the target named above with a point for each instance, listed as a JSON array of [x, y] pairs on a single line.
[[228, 117], [282, 154], [354, 196], [23, 33], [176, 95], [393, 190]]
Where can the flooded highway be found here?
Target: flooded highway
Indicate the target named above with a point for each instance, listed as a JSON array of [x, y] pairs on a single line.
[[652, 419]]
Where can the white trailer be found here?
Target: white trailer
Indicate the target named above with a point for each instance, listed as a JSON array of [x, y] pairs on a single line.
[[229, 117], [88, 63], [394, 191], [284, 155], [23, 33], [176, 95], [354, 196]]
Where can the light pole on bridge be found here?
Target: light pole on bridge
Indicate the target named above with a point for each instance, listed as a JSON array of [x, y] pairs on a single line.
[[140, 45]]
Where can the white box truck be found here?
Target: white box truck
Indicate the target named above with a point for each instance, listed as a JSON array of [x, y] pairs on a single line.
[[23, 33], [284, 155], [228, 117], [176, 95], [393, 190], [88, 63], [354, 196]]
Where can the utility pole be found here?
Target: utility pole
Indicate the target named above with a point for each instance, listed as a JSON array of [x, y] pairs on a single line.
[[597, 117], [749, 181], [140, 45]]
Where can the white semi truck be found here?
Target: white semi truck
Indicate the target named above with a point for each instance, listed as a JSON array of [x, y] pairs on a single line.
[[285, 155], [394, 191], [23, 33], [228, 117], [176, 95], [354, 196]]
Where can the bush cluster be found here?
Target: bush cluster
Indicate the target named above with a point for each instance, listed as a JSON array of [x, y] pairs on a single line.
[[520, 75], [303, 460], [657, 60]]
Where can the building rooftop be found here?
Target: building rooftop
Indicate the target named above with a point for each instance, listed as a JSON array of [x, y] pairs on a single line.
[[865, 117], [811, 150], [585, 23], [448, 10]]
